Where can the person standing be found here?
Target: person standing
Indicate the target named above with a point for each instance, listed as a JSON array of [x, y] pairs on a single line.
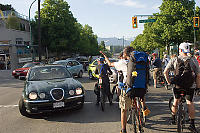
[[157, 66], [186, 70], [165, 60]]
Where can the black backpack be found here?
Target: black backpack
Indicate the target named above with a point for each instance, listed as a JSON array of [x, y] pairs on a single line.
[[184, 77]]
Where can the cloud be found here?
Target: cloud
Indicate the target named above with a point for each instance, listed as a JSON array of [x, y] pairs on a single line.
[[129, 3]]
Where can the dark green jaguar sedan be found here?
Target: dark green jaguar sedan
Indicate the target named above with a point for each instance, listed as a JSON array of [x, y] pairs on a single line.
[[50, 88]]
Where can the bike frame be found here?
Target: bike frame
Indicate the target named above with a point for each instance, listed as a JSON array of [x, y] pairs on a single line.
[[136, 108]]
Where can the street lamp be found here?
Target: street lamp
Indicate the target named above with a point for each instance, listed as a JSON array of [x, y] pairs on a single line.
[[30, 26]]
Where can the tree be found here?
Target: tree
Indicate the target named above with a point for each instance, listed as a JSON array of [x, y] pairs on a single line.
[[6, 7], [13, 22], [173, 25], [61, 33]]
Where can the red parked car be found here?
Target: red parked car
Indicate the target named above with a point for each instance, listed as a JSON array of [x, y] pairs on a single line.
[[22, 72]]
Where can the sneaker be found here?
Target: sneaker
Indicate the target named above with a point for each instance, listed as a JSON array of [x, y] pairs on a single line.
[[146, 112], [122, 131], [193, 129]]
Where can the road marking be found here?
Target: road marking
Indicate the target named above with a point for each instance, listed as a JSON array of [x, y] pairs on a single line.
[[149, 102]]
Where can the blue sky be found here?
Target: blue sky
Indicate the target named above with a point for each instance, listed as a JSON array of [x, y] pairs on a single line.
[[108, 18]]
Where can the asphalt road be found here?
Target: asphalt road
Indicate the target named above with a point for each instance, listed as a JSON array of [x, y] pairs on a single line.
[[90, 119]]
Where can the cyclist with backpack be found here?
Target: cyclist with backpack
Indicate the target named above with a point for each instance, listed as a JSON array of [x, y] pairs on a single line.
[[186, 72], [127, 66], [103, 70], [157, 66]]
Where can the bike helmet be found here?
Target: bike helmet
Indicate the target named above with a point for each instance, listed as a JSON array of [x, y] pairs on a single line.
[[101, 59]]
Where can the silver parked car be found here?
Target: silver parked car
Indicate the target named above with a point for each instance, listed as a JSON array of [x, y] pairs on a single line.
[[73, 66]]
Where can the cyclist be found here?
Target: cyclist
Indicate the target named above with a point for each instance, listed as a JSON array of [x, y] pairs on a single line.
[[157, 66], [103, 70], [125, 101], [174, 64]]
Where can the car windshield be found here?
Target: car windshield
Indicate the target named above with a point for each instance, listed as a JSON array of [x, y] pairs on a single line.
[[60, 62], [48, 73], [30, 65]]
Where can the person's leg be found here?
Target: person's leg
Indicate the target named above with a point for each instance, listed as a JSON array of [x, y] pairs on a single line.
[[154, 77], [145, 110], [123, 120], [191, 109]]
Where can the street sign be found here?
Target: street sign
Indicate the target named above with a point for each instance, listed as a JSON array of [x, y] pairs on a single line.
[[147, 20]]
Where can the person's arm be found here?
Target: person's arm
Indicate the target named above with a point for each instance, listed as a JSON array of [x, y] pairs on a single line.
[[131, 67], [166, 71], [109, 71], [196, 70], [107, 60]]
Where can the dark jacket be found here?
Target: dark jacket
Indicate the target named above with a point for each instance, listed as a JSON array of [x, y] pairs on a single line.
[[157, 63]]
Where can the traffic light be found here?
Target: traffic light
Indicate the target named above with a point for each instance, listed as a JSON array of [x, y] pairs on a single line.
[[27, 46], [134, 22], [196, 21]]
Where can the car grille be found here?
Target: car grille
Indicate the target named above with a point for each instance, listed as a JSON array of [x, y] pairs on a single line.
[[57, 94], [19, 71]]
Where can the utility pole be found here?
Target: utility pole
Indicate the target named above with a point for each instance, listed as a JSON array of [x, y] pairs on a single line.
[[194, 28], [29, 16], [39, 33]]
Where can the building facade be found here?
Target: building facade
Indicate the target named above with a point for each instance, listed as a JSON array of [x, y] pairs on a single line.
[[14, 39]]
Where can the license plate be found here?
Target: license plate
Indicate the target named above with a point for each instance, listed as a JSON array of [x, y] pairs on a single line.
[[58, 104], [18, 73]]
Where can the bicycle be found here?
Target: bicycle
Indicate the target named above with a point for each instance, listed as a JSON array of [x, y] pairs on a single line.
[[161, 79], [102, 94], [136, 117], [181, 113]]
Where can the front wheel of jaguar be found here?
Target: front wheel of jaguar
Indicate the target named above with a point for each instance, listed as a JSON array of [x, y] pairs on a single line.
[[22, 108]]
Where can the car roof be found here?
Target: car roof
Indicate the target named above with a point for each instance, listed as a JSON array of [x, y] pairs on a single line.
[[48, 65]]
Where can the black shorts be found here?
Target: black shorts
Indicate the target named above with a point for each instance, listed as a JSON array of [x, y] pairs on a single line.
[[189, 93], [139, 92]]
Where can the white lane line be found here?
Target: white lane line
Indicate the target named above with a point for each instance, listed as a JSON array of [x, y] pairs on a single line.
[[8, 106], [149, 102]]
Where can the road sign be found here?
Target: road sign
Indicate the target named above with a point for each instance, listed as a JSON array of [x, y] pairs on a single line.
[[147, 20]]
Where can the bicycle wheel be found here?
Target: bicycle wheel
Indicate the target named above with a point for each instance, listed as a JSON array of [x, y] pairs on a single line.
[[180, 118], [171, 101], [142, 118], [102, 101]]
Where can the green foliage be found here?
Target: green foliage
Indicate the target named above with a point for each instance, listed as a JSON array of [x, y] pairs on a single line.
[[6, 7], [12, 22], [102, 45], [61, 32], [173, 25]]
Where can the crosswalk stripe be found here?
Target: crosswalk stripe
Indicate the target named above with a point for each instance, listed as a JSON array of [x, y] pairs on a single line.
[[88, 102]]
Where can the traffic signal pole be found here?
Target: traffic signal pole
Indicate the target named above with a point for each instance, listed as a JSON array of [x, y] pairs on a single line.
[[174, 15]]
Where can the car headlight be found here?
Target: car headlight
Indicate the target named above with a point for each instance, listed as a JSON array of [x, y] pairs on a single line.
[[32, 95], [71, 92], [79, 91], [14, 71], [42, 95]]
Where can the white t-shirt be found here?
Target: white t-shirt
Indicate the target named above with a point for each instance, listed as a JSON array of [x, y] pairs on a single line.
[[121, 65]]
